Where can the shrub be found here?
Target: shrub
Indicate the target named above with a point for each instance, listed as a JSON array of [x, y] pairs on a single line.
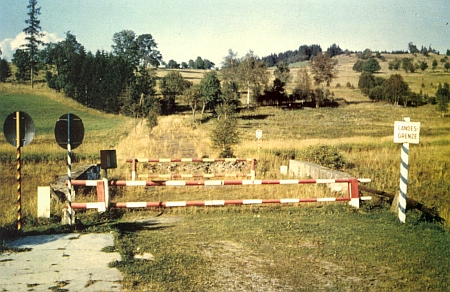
[[327, 156]]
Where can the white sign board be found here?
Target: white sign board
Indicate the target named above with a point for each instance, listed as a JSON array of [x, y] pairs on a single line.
[[258, 134], [406, 132]]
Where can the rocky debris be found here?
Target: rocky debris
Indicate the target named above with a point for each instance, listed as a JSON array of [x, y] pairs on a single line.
[[197, 168], [58, 188]]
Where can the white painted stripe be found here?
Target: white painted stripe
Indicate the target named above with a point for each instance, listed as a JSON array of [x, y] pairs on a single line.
[[364, 180], [175, 204], [366, 198], [135, 183], [289, 200], [91, 183], [95, 205], [245, 202], [208, 159], [326, 199], [164, 160], [213, 182], [186, 159], [175, 183], [230, 159], [289, 182], [251, 182], [136, 204], [325, 181], [208, 175], [187, 176], [215, 203]]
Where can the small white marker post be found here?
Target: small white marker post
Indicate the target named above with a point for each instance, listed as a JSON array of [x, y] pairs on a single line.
[[259, 136], [405, 132]]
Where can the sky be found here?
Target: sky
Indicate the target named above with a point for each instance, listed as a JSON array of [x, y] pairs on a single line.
[[186, 29]]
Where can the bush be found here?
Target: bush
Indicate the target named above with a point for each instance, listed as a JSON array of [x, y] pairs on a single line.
[[327, 156]]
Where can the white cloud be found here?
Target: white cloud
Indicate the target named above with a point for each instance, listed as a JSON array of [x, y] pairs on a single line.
[[9, 46]]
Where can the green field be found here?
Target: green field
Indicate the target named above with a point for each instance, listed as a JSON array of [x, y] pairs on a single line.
[[308, 247]]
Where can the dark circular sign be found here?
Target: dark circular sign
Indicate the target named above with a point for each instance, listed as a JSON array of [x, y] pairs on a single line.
[[69, 129], [19, 121]]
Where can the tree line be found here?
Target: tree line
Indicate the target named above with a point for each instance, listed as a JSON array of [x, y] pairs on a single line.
[[199, 63], [396, 91]]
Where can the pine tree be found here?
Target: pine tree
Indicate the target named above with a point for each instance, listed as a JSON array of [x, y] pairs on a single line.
[[33, 32]]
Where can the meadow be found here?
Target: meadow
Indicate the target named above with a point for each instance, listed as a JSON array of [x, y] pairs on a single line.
[[279, 248]]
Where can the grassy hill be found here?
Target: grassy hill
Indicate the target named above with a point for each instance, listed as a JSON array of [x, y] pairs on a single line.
[[263, 248]]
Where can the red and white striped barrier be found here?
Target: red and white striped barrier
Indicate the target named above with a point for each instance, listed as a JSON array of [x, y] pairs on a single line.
[[211, 203], [353, 193], [134, 162], [183, 183], [201, 175]]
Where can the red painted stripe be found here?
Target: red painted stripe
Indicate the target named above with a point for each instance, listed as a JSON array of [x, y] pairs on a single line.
[[79, 206]]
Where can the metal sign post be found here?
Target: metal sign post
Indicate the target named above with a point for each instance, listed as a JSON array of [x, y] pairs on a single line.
[[19, 131], [405, 132], [69, 134]]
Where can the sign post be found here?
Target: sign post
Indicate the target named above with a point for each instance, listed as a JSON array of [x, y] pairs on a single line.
[[69, 134], [19, 131], [405, 132]]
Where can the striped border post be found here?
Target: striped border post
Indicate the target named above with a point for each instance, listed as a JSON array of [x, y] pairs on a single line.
[[69, 172], [405, 132], [19, 175], [403, 183]]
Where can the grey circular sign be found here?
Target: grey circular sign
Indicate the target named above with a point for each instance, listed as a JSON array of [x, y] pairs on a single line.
[[26, 129], [69, 124]]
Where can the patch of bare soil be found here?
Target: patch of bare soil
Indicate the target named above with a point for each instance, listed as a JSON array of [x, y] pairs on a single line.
[[236, 269]]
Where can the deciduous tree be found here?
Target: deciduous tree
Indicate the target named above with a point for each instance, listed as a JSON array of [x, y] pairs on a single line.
[[229, 70], [371, 66], [147, 50], [192, 97], [253, 74], [21, 59], [210, 90], [434, 65], [358, 66], [395, 89], [282, 72], [171, 86], [302, 88], [323, 69], [423, 66], [224, 135]]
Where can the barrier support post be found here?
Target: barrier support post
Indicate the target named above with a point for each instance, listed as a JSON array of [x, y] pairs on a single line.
[[133, 169], [106, 184], [353, 193], [252, 169], [101, 196]]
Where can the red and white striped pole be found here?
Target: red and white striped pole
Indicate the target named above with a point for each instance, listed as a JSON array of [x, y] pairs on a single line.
[[150, 183]]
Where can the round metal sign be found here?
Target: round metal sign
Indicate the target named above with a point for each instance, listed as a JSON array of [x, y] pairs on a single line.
[[19, 122], [69, 128]]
